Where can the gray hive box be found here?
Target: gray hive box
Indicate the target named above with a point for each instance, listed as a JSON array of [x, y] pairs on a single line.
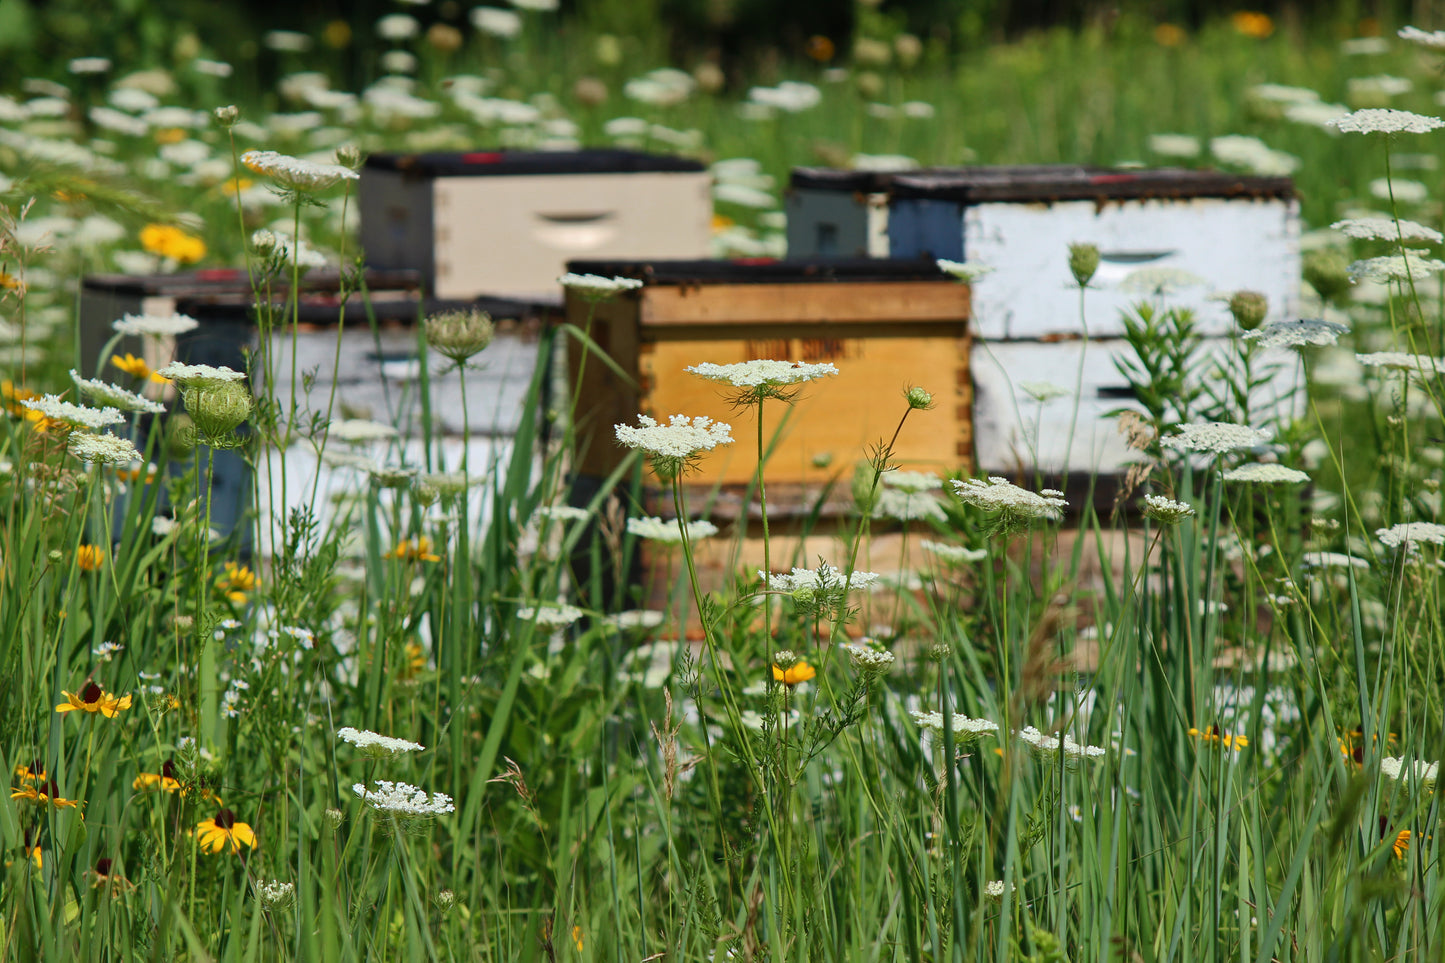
[[104, 298], [506, 222], [1230, 232]]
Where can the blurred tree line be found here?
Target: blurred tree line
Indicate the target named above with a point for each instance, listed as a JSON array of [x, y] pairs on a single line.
[[40, 36]]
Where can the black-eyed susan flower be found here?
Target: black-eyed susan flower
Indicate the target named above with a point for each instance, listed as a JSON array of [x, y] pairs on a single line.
[[1213, 735], [224, 830], [236, 581], [43, 794], [131, 365], [171, 242], [163, 781], [106, 875], [30, 772], [418, 550], [89, 557], [94, 699]]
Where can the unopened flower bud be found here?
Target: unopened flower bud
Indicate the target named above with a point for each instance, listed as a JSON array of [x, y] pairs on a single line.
[[333, 819], [445, 900], [1327, 271], [459, 334], [228, 115], [1083, 262], [56, 556], [263, 242], [919, 399], [1248, 308], [349, 155], [219, 407]]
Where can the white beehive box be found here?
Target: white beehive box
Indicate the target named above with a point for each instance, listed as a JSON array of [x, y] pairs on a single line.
[[1226, 232], [506, 222]]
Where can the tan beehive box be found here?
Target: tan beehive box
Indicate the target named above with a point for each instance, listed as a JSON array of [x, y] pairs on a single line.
[[886, 325], [505, 223]]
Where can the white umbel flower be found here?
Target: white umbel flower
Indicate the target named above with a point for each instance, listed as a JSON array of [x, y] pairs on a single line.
[[995, 888], [1051, 746], [102, 449], [1382, 120], [296, 173], [965, 271], [1408, 534], [668, 530], [555, 615], [199, 375], [1417, 776], [114, 396], [402, 800], [375, 745], [1403, 361], [1386, 229], [1043, 391], [1015, 503], [155, 325], [966, 731], [1297, 334], [76, 416], [905, 506], [1430, 39], [1166, 510], [595, 287], [359, 430], [1395, 267], [911, 481], [673, 445], [869, 660], [1333, 560], [762, 372], [953, 554], [1215, 437], [1266, 474], [275, 893], [823, 580]]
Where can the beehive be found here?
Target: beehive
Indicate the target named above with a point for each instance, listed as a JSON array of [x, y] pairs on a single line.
[[884, 325], [1228, 232], [506, 222]]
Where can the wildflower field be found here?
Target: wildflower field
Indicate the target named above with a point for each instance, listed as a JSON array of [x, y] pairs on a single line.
[[433, 717]]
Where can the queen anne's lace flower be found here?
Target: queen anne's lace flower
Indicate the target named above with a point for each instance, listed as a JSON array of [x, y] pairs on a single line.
[[1395, 267], [762, 372], [555, 614], [954, 554], [77, 416], [965, 271], [673, 445], [1043, 391], [1333, 560], [595, 287], [911, 481], [1166, 510], [966, 731], [1215, 437], [1043, 745], [1386, 229], [296, 173], [908, 506], [869, 660], [668, 530], [823, 579], [1416, 776], [359, 429], [403, 800], [114, 396], [102, 449], [1295, 334], [1266, 474], [1410, 533], [1009, 500], [1380, 120], [199, 375], [1432, 39], [1402, 361], [156, 325], [376, 745]]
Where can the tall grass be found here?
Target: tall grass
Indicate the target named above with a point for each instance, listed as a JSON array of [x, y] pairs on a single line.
[[623, 788]]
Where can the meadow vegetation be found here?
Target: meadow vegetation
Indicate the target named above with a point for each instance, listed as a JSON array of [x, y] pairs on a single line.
[[415, 732]]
